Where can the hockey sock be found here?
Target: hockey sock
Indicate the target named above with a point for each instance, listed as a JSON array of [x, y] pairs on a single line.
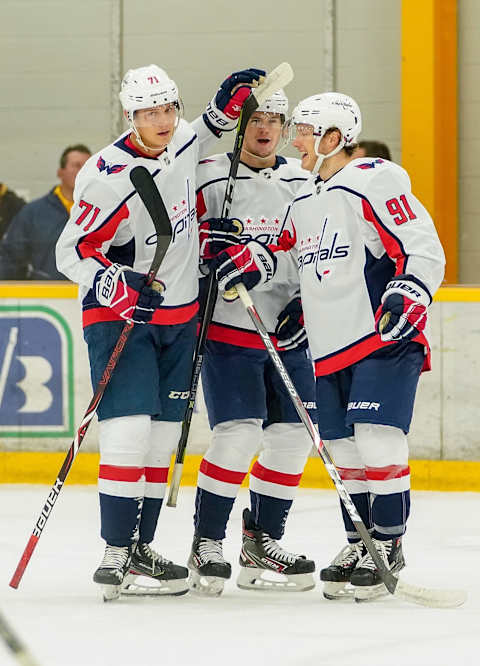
[[362, 504], [270, 513], [119, 518], [211, 514], [149, 518], [390, 514]]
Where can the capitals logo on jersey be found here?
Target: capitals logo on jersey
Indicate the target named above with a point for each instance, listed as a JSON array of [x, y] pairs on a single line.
[[109, 168], [318, 249]]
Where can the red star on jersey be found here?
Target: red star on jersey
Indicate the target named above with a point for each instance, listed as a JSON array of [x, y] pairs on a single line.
[[263, 220], [276, 220], [174, 207], [249, 221], [183, 202]]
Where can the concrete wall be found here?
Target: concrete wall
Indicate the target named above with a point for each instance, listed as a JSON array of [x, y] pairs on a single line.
[[469, 139], [45, 386]]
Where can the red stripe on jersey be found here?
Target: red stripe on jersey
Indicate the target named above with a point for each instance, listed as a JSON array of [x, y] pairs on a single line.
[[91, 244], [345, 357], [352, 474], [220, 473], [389, 241], [156, 474], [162, 316], [201, 205], [115, 473], [238, 337], [387, 473], [272, 476]]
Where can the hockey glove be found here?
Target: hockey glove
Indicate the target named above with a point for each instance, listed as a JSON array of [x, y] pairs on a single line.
[[218, 234], [402, 314], [221, 114], [290, 330], [252, 264], [126, 293]]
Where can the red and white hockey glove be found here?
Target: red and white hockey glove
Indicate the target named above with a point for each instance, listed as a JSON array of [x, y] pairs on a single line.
[[252, 264], [126, 293], [221, 114], [218, 234], [290, 330], [402, 314]]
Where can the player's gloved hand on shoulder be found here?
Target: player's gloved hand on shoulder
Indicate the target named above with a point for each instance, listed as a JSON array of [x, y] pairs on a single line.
[[222, 113], [218, 234], [402, 314], [290, 330], [126, 292], [252, 264]]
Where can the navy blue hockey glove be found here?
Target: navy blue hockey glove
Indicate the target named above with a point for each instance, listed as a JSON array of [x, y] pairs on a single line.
[[218, 234], [290, 330], [402, 314], [222, 113], [127, 294], [252, 263]]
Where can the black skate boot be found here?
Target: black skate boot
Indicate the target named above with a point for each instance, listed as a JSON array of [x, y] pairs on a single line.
[[208, 568], [337, 576], [162, 577], [261, 554], [366, 579], [112, 570]]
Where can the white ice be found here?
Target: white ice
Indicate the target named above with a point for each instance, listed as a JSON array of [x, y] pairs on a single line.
[[59, 613]]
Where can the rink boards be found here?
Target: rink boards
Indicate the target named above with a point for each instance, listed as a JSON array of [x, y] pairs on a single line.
[[45, 389]]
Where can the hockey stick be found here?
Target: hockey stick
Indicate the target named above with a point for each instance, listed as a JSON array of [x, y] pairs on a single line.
[[15, 645], [145, 186], [435, 598], [278, 78]]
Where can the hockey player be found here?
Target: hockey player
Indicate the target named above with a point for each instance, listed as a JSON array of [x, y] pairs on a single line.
[[370, 261], [248, 407], [107, 247]]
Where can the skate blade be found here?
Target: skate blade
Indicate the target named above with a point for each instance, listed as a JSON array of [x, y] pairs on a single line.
[[111, 592], [252, 578], [333, 591], [136, 585], [369, 592], [205, 586]]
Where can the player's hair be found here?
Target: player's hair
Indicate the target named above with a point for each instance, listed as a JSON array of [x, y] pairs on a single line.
[[375, 149], [78, 147], [348, 149]]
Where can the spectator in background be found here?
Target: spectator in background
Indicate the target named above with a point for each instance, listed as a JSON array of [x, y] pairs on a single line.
[[27, 250], [373, 149], [10, 204]]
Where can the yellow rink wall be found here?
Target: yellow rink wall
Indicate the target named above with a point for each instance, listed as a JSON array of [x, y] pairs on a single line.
[[40, 467]]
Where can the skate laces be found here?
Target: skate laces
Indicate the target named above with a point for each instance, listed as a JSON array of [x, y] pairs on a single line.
[[152, 555], [274, 550], [384, 548], [349, 555], [210, 550], [115, 557]]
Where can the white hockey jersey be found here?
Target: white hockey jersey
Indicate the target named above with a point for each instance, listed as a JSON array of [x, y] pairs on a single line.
[[354, 232], [260, 200], [109, 223]]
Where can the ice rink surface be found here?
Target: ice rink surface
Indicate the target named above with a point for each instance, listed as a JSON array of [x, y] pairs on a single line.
[[58, 611]]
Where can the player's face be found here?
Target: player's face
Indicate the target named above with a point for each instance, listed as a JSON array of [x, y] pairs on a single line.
[[74, 162], [157, 125], [304, 142], [263, 133]]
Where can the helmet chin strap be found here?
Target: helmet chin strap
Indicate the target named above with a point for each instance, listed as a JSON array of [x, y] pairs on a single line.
[[321, 157]]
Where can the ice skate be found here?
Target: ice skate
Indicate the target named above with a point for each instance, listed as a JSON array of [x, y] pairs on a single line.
[[151, 574], [336, 576], [365, 578], [112, 570], [266, 566], [208, 568]]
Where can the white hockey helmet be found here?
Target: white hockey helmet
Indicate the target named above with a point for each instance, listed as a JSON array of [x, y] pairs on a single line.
[[146, 87], [326, 111], [277, 103]]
